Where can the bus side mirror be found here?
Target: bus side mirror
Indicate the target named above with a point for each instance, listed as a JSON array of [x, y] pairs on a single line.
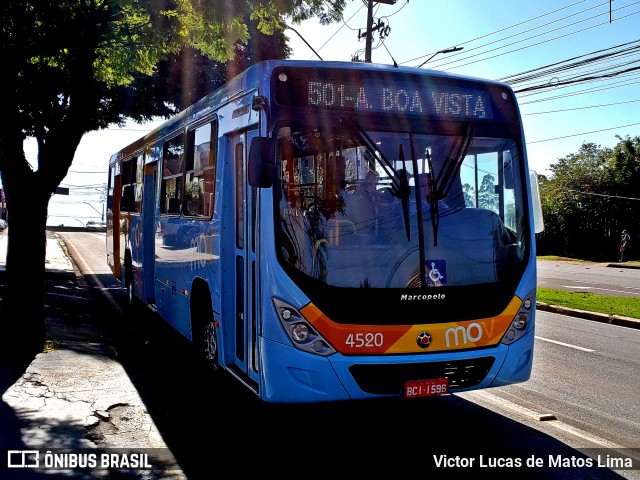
[[261, 164], [538, 221], [507, 168]]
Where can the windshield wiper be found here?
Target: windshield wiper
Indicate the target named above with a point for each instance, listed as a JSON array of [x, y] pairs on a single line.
[[403, 191], [399, 178], [443, 182], [419, 193], [433, 202], [371, 146]]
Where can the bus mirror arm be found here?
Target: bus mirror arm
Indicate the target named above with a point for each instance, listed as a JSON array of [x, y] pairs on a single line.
[[261, 165]]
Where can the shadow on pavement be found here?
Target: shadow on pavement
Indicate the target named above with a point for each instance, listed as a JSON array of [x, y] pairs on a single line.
[[213, 425], [207, 419]]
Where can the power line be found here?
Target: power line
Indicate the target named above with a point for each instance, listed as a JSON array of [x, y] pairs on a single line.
[[579, 92], [580, 108], [501, 30], [594, 74], [526, 46], [578, 80], [583, 133], [466, 57], [615, 197], [557, 66]]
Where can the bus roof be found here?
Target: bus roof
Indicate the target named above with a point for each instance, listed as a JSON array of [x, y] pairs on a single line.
[[259, 74]]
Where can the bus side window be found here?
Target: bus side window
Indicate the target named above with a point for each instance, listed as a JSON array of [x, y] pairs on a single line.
[[200, 168], [172, 169], [128, 185], [111, 183], [138, 166]]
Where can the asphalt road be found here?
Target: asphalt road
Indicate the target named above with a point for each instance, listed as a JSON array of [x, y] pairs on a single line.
[[596, 278]]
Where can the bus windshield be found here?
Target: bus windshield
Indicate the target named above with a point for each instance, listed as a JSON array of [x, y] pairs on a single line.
[[399, 209]]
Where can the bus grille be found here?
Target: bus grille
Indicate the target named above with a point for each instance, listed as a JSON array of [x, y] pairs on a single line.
[[390, 379]]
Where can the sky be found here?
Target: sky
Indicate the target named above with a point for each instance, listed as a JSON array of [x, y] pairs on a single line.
[[585, 53]]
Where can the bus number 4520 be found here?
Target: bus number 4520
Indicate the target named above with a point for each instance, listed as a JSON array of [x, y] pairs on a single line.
[[363, 340]]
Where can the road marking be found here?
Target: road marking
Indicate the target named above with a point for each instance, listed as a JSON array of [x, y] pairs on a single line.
[[617, 291], [603, 442], [486, 396], [580, 287], [565, 344]]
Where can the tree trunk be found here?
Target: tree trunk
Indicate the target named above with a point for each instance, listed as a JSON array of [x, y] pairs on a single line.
[[23, 303]]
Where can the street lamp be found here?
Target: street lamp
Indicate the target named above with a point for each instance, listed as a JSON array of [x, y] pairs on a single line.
[[98, 211], [446, 50], [303, 39]]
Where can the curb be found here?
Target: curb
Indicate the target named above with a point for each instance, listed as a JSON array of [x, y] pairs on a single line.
[[598, 317], [623, 265]]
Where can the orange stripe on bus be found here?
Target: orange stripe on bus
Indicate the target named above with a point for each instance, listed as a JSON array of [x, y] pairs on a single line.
[[398, 339]]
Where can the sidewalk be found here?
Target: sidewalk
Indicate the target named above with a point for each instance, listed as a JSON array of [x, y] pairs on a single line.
[[75, 395]]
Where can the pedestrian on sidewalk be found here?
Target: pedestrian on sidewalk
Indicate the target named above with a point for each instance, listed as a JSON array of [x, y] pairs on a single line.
[[625, 245]]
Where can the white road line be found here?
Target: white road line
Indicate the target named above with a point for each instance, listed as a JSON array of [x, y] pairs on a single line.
[[616, 291], [486, 396], [582, 287], [565, 344], [565, 427]]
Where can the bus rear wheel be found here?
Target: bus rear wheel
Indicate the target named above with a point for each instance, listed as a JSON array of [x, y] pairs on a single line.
[[130, 290], [129, 282]]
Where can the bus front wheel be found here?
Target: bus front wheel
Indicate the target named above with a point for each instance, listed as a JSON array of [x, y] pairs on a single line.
[[210, 343], [205, 338]]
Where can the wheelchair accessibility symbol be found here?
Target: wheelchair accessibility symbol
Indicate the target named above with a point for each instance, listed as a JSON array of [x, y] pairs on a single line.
[[436, 273]]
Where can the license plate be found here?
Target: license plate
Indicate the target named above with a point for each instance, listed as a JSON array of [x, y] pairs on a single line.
[[426, 388]]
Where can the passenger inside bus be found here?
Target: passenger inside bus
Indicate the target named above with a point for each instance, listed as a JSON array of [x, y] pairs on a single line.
[[426, 193], [361, 204]]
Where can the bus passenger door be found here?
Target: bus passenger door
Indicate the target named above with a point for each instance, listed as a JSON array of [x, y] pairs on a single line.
[[245, 267], [113, 222]]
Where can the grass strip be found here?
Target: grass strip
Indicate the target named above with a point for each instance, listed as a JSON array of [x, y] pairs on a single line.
[[624, 306]]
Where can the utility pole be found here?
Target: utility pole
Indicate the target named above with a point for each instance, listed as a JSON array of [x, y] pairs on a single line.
[[370, 28], [367, 48]]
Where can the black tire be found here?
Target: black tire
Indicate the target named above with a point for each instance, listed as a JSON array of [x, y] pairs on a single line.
[[205, 338], [130, 286], [129, 282]]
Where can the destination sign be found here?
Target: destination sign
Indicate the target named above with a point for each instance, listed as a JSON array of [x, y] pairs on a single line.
[[400, 97], [413, 95]]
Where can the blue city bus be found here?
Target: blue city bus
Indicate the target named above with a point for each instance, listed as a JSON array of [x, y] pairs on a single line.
[[327, 231]]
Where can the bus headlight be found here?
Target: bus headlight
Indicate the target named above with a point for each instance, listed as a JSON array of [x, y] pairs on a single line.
[[299, 332], [521, 319], [302, 334]]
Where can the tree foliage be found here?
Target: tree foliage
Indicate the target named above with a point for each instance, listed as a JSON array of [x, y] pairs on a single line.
[[75, 66], [591, 196]]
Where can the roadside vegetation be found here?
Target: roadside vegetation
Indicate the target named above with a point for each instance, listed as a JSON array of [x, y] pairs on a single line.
[[588, 199], [622, 306]]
